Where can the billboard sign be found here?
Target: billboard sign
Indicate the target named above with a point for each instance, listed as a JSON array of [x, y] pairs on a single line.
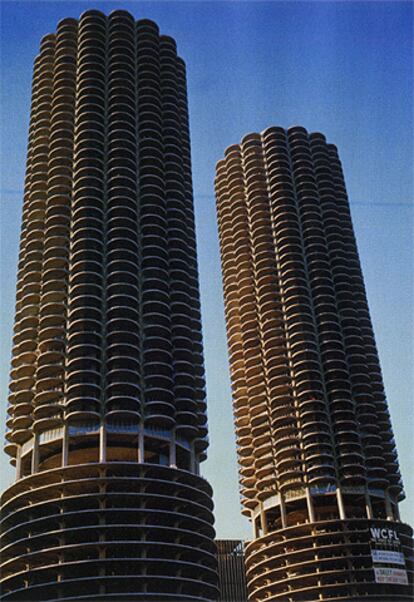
[[386, 550], [387, 575], [384, 535], [388, 557]]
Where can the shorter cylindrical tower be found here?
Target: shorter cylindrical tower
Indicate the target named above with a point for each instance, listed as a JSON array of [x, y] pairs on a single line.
[[318, 469]]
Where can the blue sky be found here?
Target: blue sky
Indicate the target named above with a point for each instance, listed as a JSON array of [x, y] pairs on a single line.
[[343, 68]]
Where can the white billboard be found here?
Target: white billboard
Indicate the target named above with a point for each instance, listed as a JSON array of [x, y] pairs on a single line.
[[386, 575], [388, 557]]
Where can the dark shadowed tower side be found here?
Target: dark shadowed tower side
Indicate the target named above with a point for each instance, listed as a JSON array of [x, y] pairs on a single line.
[[107, 412], [318, 466]]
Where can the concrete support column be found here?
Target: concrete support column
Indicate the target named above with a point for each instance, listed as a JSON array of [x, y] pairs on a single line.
[[256, 529], [263, 519], [368, 506], [194, 467], [397, 512], [341, 506], [388, 507], [65, 446], [283, 511], [173, 453], [102, 443], [35, 454], [309, 502], [141, 454], [19, 463]]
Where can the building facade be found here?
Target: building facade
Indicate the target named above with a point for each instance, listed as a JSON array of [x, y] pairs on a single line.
[[231, 570], [318, 467], [107, 410]]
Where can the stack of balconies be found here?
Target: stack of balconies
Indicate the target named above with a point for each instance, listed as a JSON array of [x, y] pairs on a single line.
[[108, 316], [313, 431], [300, 339]]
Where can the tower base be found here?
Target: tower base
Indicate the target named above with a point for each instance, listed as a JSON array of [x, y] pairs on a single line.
[[336, 560], [108, 531]]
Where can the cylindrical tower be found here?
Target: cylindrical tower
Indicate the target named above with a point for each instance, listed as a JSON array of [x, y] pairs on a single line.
[[318, 468], [107, 413]]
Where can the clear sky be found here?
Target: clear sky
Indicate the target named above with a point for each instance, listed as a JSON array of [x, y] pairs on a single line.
[[342, 68]]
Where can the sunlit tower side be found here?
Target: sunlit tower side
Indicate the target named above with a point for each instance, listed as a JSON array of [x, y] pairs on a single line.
[[107, 412]]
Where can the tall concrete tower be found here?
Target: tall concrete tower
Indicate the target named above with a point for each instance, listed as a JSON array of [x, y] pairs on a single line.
[[318, 467], [107, 408]]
